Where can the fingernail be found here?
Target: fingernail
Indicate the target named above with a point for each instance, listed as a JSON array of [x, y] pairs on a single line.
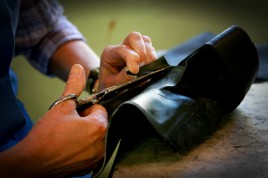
[[130, 75], [128, 72], [142, 64]]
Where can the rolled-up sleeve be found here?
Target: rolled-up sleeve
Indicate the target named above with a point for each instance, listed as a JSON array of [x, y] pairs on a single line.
[[41, 30]]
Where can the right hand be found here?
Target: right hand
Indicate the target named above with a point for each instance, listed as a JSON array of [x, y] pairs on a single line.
[[64, 142], [135, 50]]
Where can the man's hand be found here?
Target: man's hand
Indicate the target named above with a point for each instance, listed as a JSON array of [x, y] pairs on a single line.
[[135, 51], [63, 142]]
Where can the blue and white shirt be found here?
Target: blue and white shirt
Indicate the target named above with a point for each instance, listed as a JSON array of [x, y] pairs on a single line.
[[42, 28]]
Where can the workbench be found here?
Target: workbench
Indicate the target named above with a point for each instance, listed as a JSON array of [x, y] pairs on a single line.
[[238, 148]]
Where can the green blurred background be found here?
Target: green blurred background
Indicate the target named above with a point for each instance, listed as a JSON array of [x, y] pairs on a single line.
[[167, 22]]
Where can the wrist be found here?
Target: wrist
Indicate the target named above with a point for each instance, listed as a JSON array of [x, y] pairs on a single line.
[[93, 81]]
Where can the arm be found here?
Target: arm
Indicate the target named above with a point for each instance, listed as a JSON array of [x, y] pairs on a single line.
[[55, 49], [73, 52], [136, 50], [62, 142]]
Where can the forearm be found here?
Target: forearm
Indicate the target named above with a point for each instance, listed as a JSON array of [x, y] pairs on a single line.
[[20, 161], [33, 157], [70, 53]]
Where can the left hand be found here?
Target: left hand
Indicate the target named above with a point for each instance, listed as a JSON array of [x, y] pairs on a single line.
[[135, 51]]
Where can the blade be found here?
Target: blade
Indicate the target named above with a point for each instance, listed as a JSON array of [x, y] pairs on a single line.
[[88, 101]]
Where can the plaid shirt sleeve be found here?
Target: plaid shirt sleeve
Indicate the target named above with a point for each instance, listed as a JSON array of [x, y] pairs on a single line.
[[42, 28]]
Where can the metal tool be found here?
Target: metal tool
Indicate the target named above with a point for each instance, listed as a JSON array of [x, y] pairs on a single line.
[[83, 103]]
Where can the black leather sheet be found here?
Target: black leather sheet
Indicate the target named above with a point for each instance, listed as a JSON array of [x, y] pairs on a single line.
[[208, 78]]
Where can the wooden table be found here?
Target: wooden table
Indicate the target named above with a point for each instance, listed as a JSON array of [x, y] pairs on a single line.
[[239, 148]]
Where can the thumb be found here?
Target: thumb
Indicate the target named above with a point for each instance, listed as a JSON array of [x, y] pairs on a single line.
[[76, 81]]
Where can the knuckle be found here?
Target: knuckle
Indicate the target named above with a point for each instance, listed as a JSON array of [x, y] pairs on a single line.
[[122, 47], [128, 53], [97, 132], [135, 35], [147, 39], [101, 127], [108, 48]]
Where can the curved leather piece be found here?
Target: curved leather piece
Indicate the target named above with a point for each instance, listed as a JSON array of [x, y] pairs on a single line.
[[180, 120], [185, 104], [223, 69]]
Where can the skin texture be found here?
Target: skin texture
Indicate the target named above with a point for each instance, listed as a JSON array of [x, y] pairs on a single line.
[[64, 142], [136, 50]]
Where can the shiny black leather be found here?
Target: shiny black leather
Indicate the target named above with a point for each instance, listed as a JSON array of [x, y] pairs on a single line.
[[185, 104], [179, 119]]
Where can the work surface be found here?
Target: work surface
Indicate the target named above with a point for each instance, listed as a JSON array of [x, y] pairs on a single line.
[[239, 148]]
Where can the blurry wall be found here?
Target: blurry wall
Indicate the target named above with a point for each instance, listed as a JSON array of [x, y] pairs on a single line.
[[167, 22]]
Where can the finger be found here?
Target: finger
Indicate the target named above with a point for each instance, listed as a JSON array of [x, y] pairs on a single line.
[[76, 81], [97, 112], [119, 78], [130, 57], [150, 51], [135, 41]]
